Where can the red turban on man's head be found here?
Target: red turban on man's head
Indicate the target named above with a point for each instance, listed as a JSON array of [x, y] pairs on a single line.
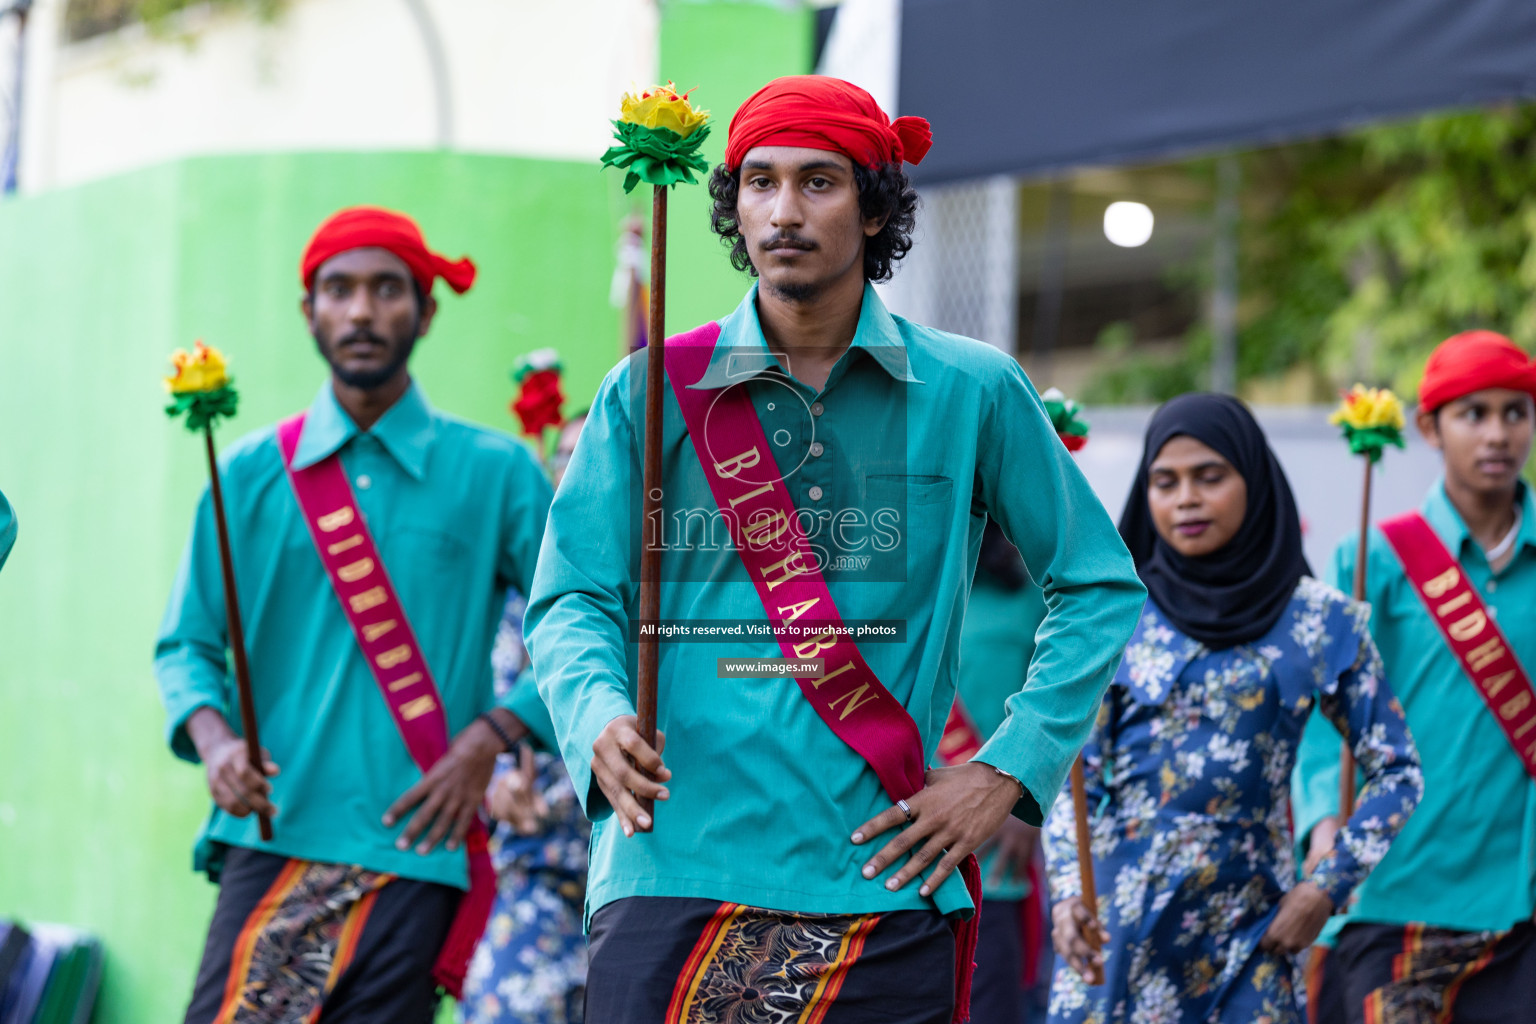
[[818, 112], [1472, 361], [366, 227]]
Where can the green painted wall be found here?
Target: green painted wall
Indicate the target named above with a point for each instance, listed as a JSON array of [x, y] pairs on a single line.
[[97, 284]]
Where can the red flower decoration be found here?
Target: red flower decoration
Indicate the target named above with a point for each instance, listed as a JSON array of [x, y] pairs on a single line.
[[1074, 442], [538, 403]]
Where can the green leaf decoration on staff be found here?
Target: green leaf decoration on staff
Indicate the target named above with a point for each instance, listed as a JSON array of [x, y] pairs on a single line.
[[1066, 419], [1370, 420], [200, 387], [659, 134]]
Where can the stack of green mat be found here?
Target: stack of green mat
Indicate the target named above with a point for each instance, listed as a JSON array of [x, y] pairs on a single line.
[[54, 978]]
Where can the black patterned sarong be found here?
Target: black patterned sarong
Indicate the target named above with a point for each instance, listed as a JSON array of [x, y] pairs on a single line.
[[694, 961], [291, 938], [1414, 974]]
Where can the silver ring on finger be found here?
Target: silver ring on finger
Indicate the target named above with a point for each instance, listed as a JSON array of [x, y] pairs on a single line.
[[905, 809]]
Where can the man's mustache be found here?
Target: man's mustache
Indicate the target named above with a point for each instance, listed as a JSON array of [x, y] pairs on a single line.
[[788, 240], [361, 334]]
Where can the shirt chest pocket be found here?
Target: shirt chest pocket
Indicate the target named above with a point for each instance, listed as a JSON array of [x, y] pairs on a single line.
[[427, 550], [911, 514]]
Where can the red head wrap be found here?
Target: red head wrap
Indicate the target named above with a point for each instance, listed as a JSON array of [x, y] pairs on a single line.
[[818, 112], [364, 227], [1470, 362]]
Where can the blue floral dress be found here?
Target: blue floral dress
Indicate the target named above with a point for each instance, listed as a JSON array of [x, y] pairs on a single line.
[[531, 964], [1189, 768]]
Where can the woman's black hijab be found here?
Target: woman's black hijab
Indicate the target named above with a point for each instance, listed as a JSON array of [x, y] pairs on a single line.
[[1236, 594]]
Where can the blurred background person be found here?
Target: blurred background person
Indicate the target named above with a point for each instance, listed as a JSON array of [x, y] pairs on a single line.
[[997, 641], [531, 965], [355, 903]]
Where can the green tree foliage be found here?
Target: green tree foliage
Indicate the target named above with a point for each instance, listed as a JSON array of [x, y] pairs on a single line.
[[86, 18], [1360, 253], [1128, 376]]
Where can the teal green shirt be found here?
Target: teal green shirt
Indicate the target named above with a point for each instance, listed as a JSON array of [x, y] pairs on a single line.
[[457, 512], [893, 465], [1467, 858], [996, 645], [7, 530]]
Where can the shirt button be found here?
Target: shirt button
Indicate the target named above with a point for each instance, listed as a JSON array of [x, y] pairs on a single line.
[[815, 493], [817, 409], [1492, 586], [816, 448], [365, 481]]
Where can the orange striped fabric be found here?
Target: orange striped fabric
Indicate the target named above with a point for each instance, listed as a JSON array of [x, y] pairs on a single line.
[[346, 947], [1314, 981], [245, 945], [852, 947], [1451, 990]]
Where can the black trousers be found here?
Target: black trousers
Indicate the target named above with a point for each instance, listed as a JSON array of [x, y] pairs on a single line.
[[388, 979], [896, 968], [1410, 974]]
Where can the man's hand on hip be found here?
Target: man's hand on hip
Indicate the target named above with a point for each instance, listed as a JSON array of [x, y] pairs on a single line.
[[616, 752], [449, 796], [956, 811]]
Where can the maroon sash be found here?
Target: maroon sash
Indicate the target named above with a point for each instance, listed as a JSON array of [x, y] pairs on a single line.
[[767, 534], [1469, 630], [368, 599]]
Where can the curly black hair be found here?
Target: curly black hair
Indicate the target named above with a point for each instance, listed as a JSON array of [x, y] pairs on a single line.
[[884, 191]]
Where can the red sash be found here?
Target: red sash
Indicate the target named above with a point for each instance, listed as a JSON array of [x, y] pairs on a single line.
[[767, 534], [368, 599], [1469, 630]]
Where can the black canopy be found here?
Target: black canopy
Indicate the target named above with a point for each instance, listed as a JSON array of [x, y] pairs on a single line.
[[1027, 86]]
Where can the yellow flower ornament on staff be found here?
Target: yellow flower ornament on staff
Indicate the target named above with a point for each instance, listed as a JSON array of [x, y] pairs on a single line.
[[200, 387], [659, 133], [1371, 419], [202, 369], [663, 108]]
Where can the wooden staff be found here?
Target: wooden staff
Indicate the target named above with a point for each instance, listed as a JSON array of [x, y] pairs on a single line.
[[1085, 865], [1347, 756], [236, 630], [652, 536]]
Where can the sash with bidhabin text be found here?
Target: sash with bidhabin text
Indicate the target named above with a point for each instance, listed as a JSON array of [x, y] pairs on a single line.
[[356, 571], [767, 535], [1469, 630]]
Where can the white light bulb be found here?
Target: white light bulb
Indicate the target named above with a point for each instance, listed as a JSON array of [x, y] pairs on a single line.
[[1128, 224]]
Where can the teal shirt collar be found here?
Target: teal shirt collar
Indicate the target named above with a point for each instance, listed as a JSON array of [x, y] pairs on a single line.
[[405, 430], [1447, 522], [742, 352]]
